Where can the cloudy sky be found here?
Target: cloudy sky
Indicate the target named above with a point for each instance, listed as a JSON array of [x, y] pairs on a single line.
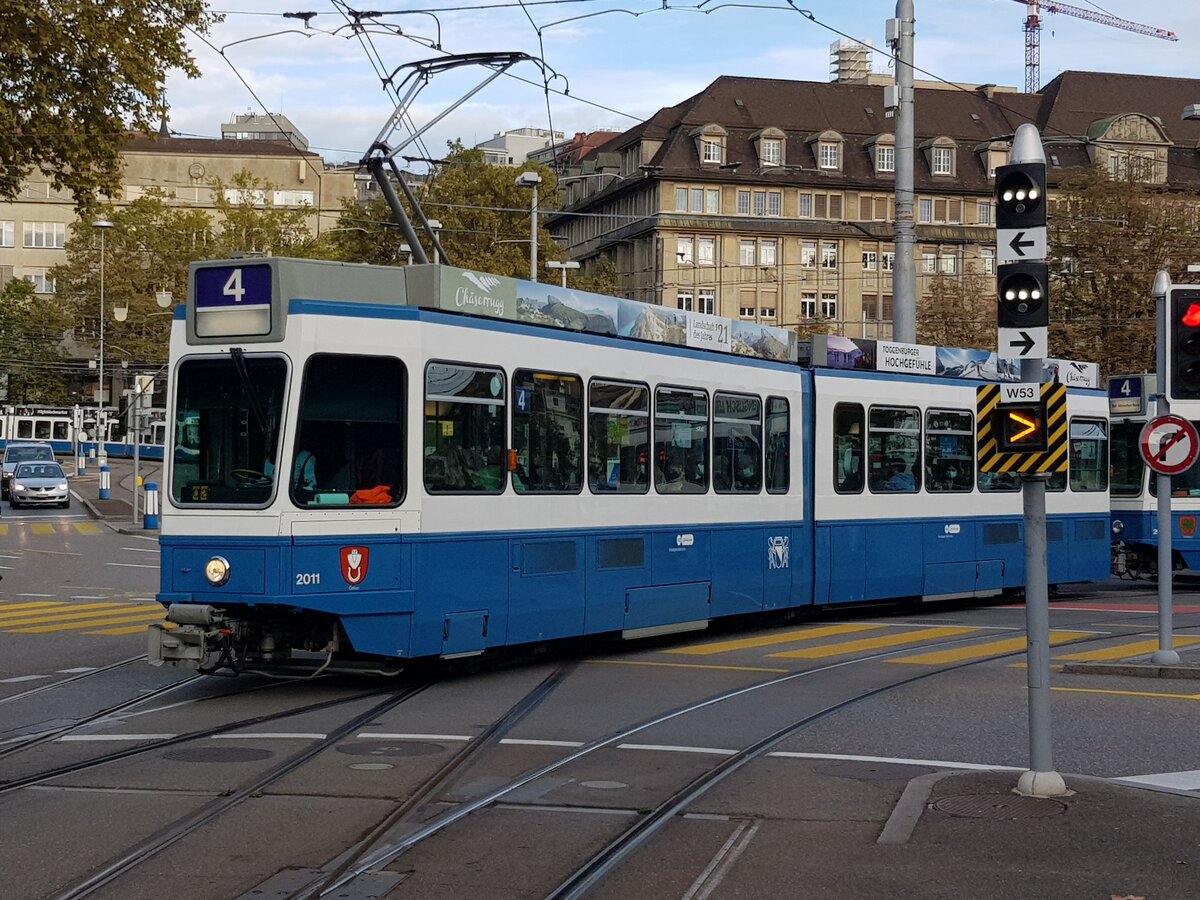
[[616, 60]]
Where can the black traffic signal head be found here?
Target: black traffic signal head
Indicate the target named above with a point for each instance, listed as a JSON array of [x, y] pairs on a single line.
[[1023, 295], [1021, 195], [1020, 429], [1184, 334]]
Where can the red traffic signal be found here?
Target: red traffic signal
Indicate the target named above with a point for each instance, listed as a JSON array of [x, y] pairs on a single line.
[[1183, 333]]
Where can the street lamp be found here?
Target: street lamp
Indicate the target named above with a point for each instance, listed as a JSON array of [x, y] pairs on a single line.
[[101, 225], [554, 264], [531, 180]]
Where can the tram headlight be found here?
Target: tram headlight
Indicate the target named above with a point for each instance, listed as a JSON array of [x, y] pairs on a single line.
[[1117, 526], [216, 570]]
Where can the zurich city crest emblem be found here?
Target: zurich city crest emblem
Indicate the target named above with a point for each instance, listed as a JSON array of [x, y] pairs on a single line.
[[354, 564]]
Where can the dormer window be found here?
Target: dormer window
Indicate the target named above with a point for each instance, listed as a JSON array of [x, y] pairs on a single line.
[[943, 161], [771, 152], [710, 144], [885, 158], [710, 150], [828, 155], [770, 145]]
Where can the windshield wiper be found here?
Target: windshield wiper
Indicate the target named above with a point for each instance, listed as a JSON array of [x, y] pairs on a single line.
[[238, 355]]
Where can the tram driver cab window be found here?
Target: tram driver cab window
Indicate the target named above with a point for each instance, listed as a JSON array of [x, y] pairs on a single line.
[[350, 437]]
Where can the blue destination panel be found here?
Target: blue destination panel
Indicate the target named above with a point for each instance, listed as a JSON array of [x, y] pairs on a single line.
[[233, 300]]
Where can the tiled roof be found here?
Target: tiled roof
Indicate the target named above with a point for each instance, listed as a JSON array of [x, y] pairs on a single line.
[[140, 143]]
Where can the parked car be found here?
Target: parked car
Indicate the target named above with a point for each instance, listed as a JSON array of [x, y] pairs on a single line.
[[19, 452], [39, 483]]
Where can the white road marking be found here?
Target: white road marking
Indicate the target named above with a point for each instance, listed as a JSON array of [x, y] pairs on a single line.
[[140, 549], [256, 735], [37, 595], [1183, 781], [76, 671], [24, 678], [131, 565], [522, 742], [87, 597], [9, 568], [381, 736], [672, 749], [9, 556], [933, 763]]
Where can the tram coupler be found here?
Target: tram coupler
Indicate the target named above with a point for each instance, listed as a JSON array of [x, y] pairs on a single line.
[[200, 630]]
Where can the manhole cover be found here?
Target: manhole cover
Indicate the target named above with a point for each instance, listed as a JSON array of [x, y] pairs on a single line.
[[999, 806], [218, 754], [400, 748], [872, 771]]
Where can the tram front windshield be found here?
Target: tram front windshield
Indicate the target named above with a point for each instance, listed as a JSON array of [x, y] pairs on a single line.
[[227, 419]]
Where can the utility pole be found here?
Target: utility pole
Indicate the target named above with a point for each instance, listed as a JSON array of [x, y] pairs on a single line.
[[904, 274]]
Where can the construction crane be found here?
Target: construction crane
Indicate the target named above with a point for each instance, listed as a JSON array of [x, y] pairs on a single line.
[[1033, 33]]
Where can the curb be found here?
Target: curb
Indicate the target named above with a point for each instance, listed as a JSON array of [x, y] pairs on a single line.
[[1136, 670]]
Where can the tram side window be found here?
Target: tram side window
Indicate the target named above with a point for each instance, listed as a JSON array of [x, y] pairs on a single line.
[[894, 449], [949, 450], [1128, 469], [848, 422], [737, 444], [464, 429], [618, 437], [547, 432], [1089, 455], [349, 447], [778, 442], [25, 429], [61, 431], [680, 441]]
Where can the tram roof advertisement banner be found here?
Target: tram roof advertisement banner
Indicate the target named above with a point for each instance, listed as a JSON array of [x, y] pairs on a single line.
[[835, 352], [517, 300]]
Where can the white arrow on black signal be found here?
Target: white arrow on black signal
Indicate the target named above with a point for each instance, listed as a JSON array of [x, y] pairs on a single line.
[[1026, 343], [1017, 244]]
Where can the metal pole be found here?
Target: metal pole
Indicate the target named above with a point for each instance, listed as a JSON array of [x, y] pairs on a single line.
[[1165, 655], [137, 446], [904, 274], [100, 395], [533, 238], [564, 275]]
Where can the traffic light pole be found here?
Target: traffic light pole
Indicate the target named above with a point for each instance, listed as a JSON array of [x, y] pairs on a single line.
[[1165, 655]]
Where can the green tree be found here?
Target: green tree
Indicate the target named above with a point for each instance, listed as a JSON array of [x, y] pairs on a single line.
[[76, 75], [31, 360], [248, 222], [1107, 239], [958, 311]]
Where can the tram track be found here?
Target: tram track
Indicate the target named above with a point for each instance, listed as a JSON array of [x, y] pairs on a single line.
[[82, 676]]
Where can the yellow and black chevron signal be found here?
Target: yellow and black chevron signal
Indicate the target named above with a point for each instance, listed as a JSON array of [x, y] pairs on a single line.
[[1023, 437]]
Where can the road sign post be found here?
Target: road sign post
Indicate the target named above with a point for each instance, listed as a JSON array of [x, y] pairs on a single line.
[[1164, 298], [1022, 319]]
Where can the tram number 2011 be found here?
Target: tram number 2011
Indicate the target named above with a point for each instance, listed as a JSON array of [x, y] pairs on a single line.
[[304, 579]]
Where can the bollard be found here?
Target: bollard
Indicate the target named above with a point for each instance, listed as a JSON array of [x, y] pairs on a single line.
[[80, 463], [91, 452], [151, 505], [105, 493]]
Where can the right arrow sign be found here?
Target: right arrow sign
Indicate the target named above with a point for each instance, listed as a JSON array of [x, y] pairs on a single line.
[[1022, 343], [1017, 244]]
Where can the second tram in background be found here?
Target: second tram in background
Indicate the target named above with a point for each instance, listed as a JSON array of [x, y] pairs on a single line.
[[1135, 487], [56, 425], [432, 462]]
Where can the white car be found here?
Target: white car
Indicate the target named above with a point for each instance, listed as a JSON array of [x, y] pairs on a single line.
[[37, 484], [19, 452]]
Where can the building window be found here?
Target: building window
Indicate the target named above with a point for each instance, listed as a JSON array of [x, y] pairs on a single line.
[[712, 201], [948, 265], [885, 158], [885, 309], [888, 261], [870, 307], [51, 235], [245, 197], [772, 152], [697, 200], [808, 254], [943, 161], [954, 212], [683, 300], [766, 253], [707, 302], [808, 305], [835, 206], [805, 209], [743, 203], [829, 255], [8, 234], [983, 212], [292, 198], [706, 251], [746, 253], [760, 203], [829, 306], [925, 210], [683, 251], [774, 203], [746, 312], [987, 259], [819, 206], [928, 263], [828, 155], [681, 198], [870, 260], [710, 150], [42, 282], [766, 312]]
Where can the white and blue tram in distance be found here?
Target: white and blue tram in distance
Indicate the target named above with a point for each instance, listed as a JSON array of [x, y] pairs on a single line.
[[1135, 487], [430, 462], [57, 426]]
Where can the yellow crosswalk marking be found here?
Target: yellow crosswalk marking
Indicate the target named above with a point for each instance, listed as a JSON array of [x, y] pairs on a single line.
[[978, 651], [891, 640], [141, 629], [767, 640], [3, 531], [87, 527], [146, 615], [82, 611], [6, 607], [41, 528], [1139, 648]]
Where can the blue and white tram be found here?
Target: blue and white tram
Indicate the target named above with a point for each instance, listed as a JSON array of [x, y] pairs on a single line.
[[355, 470], [1135, 488], [55, 425]]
